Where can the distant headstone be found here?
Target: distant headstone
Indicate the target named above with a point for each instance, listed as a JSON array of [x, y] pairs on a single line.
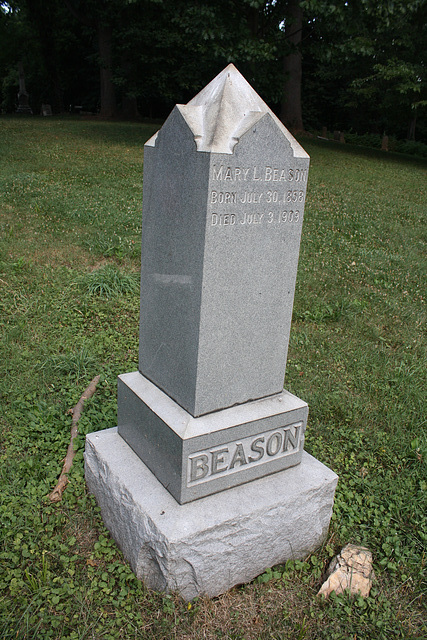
[[324, 132], [384, 143], [46, 110], [342, 138], [337, 136], [23, 97], [224, 194]]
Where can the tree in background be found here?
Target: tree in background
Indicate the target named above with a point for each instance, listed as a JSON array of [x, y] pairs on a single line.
[[349, 64], [395, 80], [56, 57], [366, 63], [291, 111]]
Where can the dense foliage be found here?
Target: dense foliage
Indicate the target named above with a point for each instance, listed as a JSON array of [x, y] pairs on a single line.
[[362, 62]]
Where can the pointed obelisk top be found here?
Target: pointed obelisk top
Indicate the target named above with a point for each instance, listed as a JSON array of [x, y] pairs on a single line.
[[229, 91], [224, 110]]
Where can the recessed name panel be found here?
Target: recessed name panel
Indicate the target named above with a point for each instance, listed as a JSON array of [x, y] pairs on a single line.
[[236, 456]]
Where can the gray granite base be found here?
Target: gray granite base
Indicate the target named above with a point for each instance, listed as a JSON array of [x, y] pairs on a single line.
[[209, 545], [196, 457]]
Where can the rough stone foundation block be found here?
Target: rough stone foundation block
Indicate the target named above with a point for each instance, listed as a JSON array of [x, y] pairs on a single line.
[[195, 457], [209, 545]]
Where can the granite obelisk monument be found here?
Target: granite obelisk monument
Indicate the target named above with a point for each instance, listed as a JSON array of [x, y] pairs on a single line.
[[205, 483]]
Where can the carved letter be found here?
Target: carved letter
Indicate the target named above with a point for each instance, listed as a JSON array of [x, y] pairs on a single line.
[[199, 467], [256, 448], [217, 175], [218, 458], [239, 456], [274, 443], [291, 439]]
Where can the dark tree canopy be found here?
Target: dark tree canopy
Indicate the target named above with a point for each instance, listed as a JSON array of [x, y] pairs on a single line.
[[355, 65]]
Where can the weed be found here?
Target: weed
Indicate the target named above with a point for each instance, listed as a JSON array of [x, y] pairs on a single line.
[[108, 282], [74, 364]]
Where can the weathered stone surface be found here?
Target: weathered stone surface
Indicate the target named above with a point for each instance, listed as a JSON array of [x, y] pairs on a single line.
[[351, 570], [211, 544], [194, 457], [223, 205]]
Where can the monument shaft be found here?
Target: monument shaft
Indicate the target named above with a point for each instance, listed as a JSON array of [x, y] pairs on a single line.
[[221, 235]]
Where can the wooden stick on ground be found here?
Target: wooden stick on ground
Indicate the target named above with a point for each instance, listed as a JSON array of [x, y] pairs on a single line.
[[56, 494]]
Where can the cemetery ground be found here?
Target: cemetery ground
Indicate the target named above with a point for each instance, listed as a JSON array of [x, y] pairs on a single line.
[[70, 207]]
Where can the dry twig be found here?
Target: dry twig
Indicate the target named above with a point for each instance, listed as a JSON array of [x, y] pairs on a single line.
[[56, 494]]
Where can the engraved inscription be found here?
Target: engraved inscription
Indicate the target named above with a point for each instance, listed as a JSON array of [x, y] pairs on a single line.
[[222, 197], [233, 457], [283, 216], [258, 174], [250, 197], [256, 196], [251, 218], [270, 218], [223, 219]]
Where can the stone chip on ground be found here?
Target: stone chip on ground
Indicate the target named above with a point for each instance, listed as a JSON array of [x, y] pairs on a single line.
[[351, 570]]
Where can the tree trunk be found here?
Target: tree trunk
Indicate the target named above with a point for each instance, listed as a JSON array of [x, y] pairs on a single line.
[[108, 96], [411, 128], [291, 112], [44, 17], [130, 108]]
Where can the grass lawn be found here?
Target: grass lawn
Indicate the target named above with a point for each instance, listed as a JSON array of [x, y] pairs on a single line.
[[70, 208]]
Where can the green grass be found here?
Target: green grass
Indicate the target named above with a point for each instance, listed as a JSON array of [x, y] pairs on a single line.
[[70, 201]]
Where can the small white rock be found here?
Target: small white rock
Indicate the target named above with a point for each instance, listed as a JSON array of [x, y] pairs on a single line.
[[351, 570]]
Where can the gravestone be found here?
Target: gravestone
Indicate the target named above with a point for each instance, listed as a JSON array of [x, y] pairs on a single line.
[[209, 447], [46, 110], [23, 97]]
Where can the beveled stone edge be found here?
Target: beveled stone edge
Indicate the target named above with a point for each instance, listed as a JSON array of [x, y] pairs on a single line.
[[186, 426]]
